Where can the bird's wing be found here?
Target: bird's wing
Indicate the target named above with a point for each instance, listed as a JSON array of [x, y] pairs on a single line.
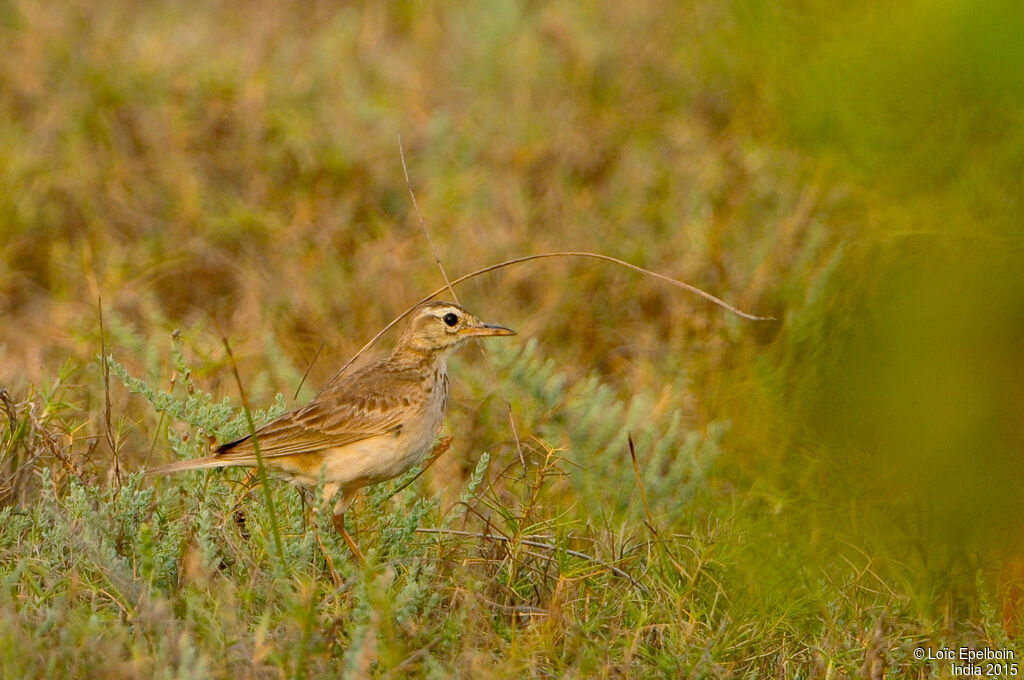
[[327, 422]]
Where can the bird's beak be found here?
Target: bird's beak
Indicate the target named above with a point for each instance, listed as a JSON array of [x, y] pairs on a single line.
[[487, 329]]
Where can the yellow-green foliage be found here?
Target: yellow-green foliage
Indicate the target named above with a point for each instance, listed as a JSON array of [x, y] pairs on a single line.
[[812, 497]]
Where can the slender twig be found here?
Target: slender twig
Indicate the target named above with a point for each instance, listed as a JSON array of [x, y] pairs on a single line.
[[156, 434], [9, 483], [108, 430], [264, 480], [10, 409], [534, 544], [448, 284], [51, 443], [423, 225], [415, 656], [163, 414], [539, 256], [511, 420], [308, 369], [640, 483]]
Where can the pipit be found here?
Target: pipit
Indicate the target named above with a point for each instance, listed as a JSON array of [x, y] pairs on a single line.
[[368, 426]]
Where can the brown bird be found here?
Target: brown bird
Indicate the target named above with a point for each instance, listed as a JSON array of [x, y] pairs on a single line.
[[368, 426]]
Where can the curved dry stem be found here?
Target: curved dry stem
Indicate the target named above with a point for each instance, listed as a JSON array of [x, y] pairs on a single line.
[[539, 256], [534, 544]]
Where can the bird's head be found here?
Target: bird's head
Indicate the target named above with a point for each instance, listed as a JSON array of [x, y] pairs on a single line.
[[443, 326]]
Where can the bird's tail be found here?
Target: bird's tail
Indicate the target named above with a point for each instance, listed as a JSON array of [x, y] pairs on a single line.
[[194, 464]]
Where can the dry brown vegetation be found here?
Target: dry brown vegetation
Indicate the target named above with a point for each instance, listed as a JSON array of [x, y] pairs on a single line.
[[812, 497]]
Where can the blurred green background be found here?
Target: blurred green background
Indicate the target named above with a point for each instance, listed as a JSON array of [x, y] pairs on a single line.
[[853, 169]]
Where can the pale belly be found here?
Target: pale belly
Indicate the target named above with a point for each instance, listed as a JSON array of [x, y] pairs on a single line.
[[378, 459], [374, 459]]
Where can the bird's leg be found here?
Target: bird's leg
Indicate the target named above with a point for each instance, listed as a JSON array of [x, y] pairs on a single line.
[[306, 511], [339, 523], [329, 490], [248, 484]]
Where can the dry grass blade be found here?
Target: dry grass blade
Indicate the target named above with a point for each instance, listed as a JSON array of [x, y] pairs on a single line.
[[30, 439], [423, 225], [640, 483], [264, 478], [9, 477], [107, 428], [536, 544], [10, 410], [306, 374]]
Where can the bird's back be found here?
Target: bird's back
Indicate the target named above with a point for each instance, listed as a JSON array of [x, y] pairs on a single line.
[[388, 397]]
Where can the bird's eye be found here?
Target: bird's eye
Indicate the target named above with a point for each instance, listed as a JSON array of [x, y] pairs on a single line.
[[451, 319]]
